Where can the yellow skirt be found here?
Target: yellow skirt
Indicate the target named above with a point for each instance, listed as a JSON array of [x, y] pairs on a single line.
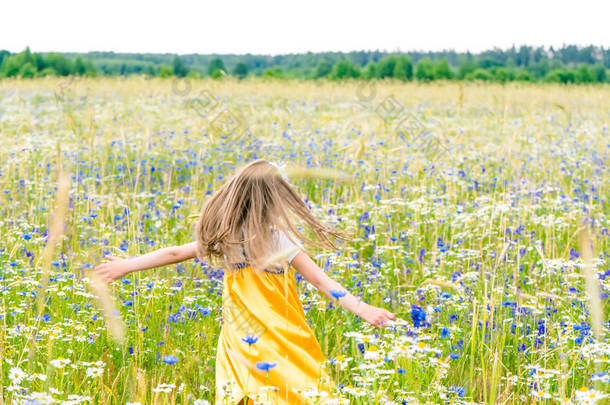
[[266, 349]]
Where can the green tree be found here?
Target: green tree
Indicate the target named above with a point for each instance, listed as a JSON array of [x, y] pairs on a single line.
[[165, 71], [323, 69], [27, 57], [371, 71], [539, 69], [3, 54], [524, 76], [241, 70], [403, 68], [424, 71], [215, 65], [442, 70], [275, 73], [385, 67], [48, 71], [90, 69], [502, 75], [344, 69], [585, 75], [150, 70], [599, 73], [466, 67], [79, 66], [479, 74], [178, 66], [27, 70], [62, 65], [40, 63], [560, 76], [10, 66]]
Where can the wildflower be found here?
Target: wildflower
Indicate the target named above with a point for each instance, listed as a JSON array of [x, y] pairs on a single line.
[[16, 375], [249, 339], [170, 359], [164, 388], [336, 294], [422, 252], [589, 395], [371, 353], [361, 347], [265, 366], [60, 363], [94, 371], [419, 316], [604, 377], [445, 333], [459, 391]]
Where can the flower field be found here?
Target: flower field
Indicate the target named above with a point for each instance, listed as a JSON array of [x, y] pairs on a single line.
[[479, 215]]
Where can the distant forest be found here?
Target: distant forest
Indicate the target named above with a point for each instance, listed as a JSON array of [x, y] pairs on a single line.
[[568, 64]]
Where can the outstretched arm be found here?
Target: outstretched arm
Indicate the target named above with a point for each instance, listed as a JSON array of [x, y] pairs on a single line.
[[316, 276], [117, 267]]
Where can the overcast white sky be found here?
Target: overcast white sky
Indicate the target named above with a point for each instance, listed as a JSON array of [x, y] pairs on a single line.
[[274, 27]]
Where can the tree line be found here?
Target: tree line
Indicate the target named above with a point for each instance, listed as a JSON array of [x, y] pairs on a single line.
[[568, 64]]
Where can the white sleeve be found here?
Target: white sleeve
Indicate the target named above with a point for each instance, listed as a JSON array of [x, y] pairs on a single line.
[[283, 243]]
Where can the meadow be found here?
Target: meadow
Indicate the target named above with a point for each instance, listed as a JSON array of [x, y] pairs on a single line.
[[479, 215]]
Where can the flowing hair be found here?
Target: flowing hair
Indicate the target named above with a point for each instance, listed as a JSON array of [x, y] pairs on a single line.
[[238, 220]]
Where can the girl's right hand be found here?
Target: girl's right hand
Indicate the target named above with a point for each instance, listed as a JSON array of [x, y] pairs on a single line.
[[113, 269], [378, 317]]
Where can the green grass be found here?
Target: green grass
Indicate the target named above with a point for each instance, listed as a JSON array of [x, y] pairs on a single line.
[[516, 166]]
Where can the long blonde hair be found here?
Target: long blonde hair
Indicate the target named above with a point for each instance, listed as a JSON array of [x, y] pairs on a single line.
[[239, 218]]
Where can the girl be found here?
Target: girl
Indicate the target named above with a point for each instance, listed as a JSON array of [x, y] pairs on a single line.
[[265, 342]]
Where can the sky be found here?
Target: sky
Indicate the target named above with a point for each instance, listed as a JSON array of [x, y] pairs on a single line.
[[280, 27]]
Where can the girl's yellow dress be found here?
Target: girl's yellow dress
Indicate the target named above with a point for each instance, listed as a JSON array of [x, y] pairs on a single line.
[[266, 349]]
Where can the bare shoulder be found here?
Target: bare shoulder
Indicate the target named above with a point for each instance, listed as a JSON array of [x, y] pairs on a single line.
[[284, 243]]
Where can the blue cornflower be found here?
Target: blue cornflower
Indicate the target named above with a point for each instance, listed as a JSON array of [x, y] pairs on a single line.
[[445, 333], [541, 328], [454, 356], [459, 391], [264, 366], [27, 236], [361, 347], [249, 339], [419, 316], [599, 376], [170, 359], [338, 293], [422, 252]]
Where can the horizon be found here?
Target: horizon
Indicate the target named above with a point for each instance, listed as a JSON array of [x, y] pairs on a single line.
[[444, 50]]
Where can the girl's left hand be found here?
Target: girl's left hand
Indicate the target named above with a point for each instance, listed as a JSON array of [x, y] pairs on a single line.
[[113, 269]]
